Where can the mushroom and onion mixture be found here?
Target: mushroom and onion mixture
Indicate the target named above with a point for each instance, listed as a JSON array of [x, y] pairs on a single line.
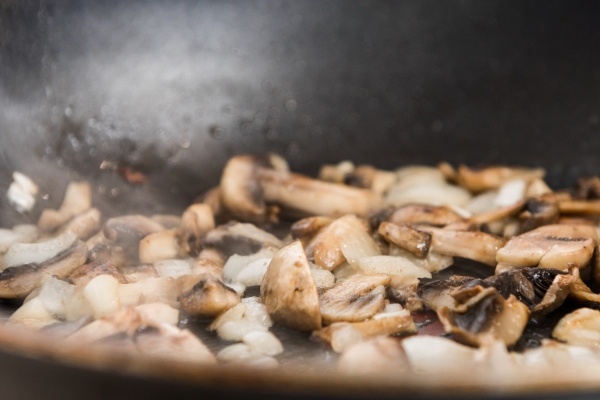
[[421, 270]]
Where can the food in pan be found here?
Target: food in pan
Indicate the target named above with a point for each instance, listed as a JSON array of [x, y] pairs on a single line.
[[422, 269]]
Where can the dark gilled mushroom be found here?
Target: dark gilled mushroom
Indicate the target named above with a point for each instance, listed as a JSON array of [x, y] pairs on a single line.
[[288, 290], [18, 281], [478, 246], [406, 237], [538, 212], [352, 300], [551, 246], [252, 190], [479, 180], [208, 298], [239, 238]]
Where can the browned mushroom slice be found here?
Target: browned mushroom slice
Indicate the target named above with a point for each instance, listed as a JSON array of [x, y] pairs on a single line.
[[551, 246], [253, 190], [288, 290], [369, 177], [406, 237], [82, 275], [579, 328], [479, 180], [78, 199], [425, 214], [239, 238], [196, 221], [352, 300], [587, 188], [208, 298], [490, 317], [340, 335], [84, 225], [478, 246], [538, 212], [19, 281], [590, 207], [438, 294], [306, 228]]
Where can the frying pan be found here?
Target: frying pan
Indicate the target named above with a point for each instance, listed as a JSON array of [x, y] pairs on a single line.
[[173, 89]]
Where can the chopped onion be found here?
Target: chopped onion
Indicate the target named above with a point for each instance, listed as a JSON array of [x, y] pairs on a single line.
[[102, 293], [511, 193], [33, 315], [323, 279], [173, 268], [252, 274], [261, 342], [55, 294], [392, 266], [234, 331]]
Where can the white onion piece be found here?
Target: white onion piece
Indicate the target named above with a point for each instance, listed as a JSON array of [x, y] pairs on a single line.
[[33, 315], [235, 353], [264, 343], [433, 355], [256, 311], [264, 362], [77, 306], [432, 193], [234, 331], [345, 271], [392, 266], [173, 268], [26, 253], [160, 313], [511, 193], [252, 232], [252, 274], [323, 279], [482, 203], [21, 192], [55, 294], [149, 290], [392, 308], [102, 293], [157, 246], [355, 243], [344, 336], [233, 314], [414, 174], [236, 263], [237, 287], [391, 314], [19, 234], [434, 262]]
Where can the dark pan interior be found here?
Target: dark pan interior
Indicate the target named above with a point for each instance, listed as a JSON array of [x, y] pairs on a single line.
[[173, 89]]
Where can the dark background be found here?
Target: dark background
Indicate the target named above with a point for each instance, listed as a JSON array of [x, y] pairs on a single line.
[[173, 89]]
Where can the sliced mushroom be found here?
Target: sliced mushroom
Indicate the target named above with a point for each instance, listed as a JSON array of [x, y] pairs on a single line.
[[306, 228], [85, 273], [537, 213], [127, 231], [551, 246], [208, 298], [78, 199], [252, 190], [351, 300], [369, 177], [158, 246], [341, 335], [590, 207], [84, 225], [438, 294], [479, 180], [18, 234], [424, 214], [588, 188], [289, 292], [240, 238], [197, 220], [336, 173], [406, 237], [19, 281], [478, 246], [490, 317], [579, 328]]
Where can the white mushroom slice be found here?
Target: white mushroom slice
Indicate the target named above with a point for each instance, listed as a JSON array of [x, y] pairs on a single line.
[[196, 221], [208, 298], [173, 268], [29, 253], [398, 266], [102, 294], [78, 199], [351, 300], [149, 290], [261, 342], [288, 290], [478, 246], [323, 278], [380, 354], [84, 225], [170, 342], [579, 328], [21, 192], [19, 281], [19, 234], [157, 246], [406, 237], [551, 246], [249, 183], [479, 180]]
